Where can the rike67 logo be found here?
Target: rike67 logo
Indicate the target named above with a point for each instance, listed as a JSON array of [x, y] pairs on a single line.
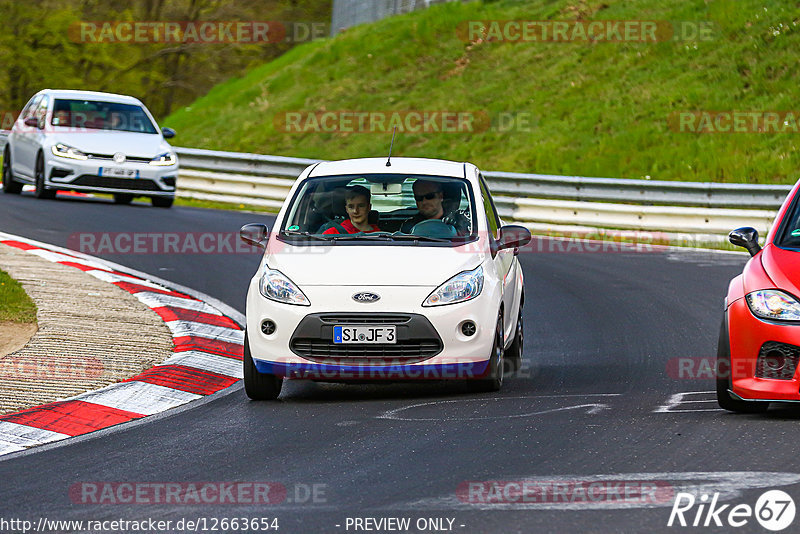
[[774, 510]]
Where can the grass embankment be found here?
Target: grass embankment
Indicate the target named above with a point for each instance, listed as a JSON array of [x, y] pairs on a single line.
[[15, 305], [596, 109]]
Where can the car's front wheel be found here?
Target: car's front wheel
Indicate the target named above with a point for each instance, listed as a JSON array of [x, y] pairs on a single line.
[[493, 380], [724, 398], [41, 189], [10, 185], [513, 356], [259, 386]]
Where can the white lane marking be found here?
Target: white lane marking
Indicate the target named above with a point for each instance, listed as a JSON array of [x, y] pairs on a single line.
[[7, 448], [138, 397], [56, 257], [27, 436], [729, 484], [207, 362], [190, 328], [157, 300], [113, 277], [678, 399], [593, 408]]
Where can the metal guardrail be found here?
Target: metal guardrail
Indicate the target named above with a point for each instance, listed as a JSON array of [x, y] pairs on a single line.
[[542, 202]]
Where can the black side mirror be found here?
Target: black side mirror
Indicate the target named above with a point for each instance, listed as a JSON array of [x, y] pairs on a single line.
[[254, 234], [745, 237], [168, 133], [512, 236], [32, 121]]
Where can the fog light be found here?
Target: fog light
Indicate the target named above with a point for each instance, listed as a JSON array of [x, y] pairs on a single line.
[[268, 327], [777, 361], [469, 328]]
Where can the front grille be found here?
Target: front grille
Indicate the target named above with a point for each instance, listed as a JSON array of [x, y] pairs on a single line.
[[777, 360], [403, 352], [136, 184], [110, 157], [357, 318], [417, 340]]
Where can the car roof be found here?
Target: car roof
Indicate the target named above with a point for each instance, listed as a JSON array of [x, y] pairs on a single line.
[[414, 166], [91, 95]]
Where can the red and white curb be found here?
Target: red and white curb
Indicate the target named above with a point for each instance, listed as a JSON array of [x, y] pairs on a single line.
[[207, 358]]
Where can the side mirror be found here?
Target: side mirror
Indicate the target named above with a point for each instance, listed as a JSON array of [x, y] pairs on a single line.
[[32, 121], [512, 236], [254, 234], [745, 237], [168, 133]]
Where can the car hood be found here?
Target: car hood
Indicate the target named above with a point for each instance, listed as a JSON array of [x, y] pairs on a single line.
[[110, 142], [346, 265], [783, 267]]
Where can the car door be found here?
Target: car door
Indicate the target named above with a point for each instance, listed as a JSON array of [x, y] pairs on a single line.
[[22, 140], [503, 260]]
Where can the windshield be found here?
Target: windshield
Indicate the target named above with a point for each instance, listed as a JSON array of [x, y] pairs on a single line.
[[382, 207], [788, 234], [94, 115]]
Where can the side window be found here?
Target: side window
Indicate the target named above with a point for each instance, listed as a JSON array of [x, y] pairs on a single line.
[[30, 107], [488, 206], [41, 111]]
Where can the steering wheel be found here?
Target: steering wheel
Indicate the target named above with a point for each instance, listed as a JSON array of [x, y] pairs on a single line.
[[434, 228]]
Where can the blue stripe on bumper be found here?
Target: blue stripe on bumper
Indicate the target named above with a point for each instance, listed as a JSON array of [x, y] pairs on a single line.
[[375, 372]]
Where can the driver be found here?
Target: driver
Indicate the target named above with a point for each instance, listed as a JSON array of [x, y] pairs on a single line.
[[429, 197], [358, 206]]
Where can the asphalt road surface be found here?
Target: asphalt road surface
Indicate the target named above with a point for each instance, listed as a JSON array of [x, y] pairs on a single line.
[[600, 432]]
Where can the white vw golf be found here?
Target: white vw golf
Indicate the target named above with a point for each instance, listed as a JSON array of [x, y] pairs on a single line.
[[383, 269], [90, 141]]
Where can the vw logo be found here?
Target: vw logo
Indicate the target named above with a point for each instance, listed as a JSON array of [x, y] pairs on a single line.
[[119, 157], [365, 296]]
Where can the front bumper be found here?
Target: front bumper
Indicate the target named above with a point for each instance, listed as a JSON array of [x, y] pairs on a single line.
[[87, 175], [444, 351], [747, 336]]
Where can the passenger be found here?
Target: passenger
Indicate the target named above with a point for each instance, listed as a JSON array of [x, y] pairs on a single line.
[[429, 197], [358, 206]]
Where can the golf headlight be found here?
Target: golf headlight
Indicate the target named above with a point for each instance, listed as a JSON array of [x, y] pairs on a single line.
[[65, 151], [275, 286], [462, 287], [167, 158], [773, 304]]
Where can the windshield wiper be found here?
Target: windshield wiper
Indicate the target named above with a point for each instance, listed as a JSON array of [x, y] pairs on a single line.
[[293, 233], [412, 237]]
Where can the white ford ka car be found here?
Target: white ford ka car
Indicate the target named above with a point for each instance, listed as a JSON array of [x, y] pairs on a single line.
[[90, 141], [385, 272]]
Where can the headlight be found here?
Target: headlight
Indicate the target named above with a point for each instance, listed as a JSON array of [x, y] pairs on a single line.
[[64, 151], [773, 304], [462, 287], [167, 158], [275, 286]]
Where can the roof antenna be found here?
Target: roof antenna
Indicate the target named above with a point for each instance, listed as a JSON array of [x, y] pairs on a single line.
[[389, 159]]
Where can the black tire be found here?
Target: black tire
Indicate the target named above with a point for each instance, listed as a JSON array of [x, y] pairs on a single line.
[[259, 386], [724, 398], [41, 189], [513, 355], [162, 202], [10, 185], [493, 381], [122, 198]]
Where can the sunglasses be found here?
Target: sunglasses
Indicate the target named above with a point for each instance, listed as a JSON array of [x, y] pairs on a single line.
[[426, 196]]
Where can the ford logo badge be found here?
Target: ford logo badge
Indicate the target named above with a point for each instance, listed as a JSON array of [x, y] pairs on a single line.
[[365, 296]]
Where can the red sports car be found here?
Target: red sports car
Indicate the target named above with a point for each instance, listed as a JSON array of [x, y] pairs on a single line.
[[759, 342]]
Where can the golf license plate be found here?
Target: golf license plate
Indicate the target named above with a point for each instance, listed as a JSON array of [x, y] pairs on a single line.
[[365, 334], [119, 172]]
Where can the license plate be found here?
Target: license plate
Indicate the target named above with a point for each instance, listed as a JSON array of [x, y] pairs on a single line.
[[118, 172], [365, 334]]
